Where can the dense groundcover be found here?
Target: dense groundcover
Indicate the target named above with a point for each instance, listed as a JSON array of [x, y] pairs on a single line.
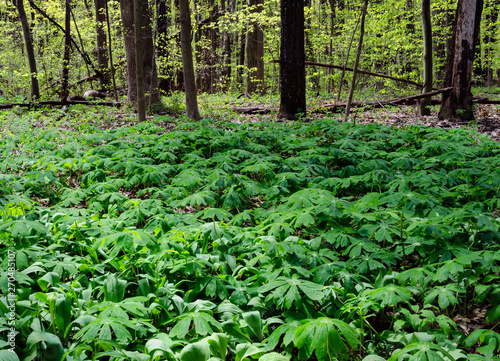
[[224, 241]]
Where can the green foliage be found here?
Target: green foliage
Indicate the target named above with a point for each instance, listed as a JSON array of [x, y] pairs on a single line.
[[256, 241]]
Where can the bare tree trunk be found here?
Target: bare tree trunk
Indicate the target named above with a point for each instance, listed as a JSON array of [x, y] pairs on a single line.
[[67, 46], [490, 37], [458, 102], [356, 62], [150, 73], [102, 51], [255, 51], [292, 60], [110, 53], [187, 62], [423, 105], [35, 90], [241, 57], [227, 39], [164, 23], [139, 64]]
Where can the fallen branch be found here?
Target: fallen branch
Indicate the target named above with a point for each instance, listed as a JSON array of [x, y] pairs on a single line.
[[253, 110], [485, 101], [377, 75], [378, 104], [58, 102]]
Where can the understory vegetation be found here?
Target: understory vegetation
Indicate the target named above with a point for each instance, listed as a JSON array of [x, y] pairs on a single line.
[[180, 240]]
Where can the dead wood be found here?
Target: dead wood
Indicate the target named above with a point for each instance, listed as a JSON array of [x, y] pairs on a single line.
[[378, 75], [485, 101], [253, 110], [378, 104], [58, 102]]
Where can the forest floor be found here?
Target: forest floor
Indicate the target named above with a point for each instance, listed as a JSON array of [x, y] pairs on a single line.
[[251, 233]]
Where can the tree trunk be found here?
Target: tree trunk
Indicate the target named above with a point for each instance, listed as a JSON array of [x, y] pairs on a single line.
[[255, 50], [187, 62], [150, 73], [227, 39], [241, 57], [292, 60], [423, 105], [110, 53], [67, 46], [35, 90], [164, 24], [356, 62], [490, 38], [139, 63], [444, 20], [102, 51], [458, 101]]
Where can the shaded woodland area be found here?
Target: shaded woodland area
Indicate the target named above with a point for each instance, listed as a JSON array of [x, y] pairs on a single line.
[[330, 48]]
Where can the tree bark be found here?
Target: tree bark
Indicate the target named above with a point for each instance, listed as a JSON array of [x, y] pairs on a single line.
[[187, 62], [102, 51], [150, 73], [139, 63], [423, 105], [110, 53], [164, 23], [292, 60], [255, 51], [490, 37], [35, 89], [67, 48], [458, 102]]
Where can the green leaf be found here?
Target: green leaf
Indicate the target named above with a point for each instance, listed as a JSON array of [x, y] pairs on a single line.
[[218, 345], [6, 355], [254, 322], [199, 351], [274, 356], [114, 289], [325, 337], [244, 351], [390, 295]]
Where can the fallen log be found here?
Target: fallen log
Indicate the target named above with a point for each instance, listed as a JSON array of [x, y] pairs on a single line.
[[253, 110], [485, 101]]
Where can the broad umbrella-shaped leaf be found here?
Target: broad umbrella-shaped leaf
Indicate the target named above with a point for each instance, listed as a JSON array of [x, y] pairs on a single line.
[[422, 351], [390, 295], [203, 323], [447, 295], [325, 336], [292, 288]]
